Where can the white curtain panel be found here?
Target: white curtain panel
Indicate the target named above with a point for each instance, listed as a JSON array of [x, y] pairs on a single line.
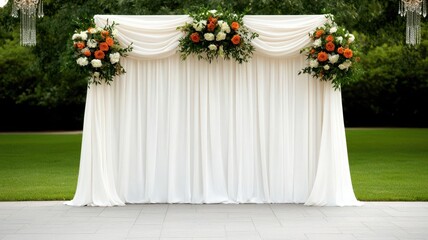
[[173, 131]]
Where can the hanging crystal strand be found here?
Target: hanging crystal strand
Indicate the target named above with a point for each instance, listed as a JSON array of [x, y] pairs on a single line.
[[408, 27], [403, 8], [399, 8], [40, 13], [417, 28], [33, 25], [14, 10], [424, 11]]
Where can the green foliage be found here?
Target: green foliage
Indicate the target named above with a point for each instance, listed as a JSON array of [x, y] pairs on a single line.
[[394, 88]]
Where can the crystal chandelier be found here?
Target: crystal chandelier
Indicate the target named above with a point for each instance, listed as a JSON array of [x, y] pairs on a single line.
[[29, 9], [413, 9]]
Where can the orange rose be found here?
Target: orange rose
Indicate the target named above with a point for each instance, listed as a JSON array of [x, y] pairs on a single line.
[[211, 27], [319, 33], [99, 54], [330, 46], [322, 56], [213, 20], [80, 45], [105, 33], [234, 26], [312, 51], [87, 53], [329, 38], [340, 50], [90, 29], [195, 37], [110, 41], [348, 53], [236, 39], [104, 47]]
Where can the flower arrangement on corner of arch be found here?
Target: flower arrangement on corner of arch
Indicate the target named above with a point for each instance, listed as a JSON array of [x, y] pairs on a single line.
[[332, 55], [98, 52], [216, 33]]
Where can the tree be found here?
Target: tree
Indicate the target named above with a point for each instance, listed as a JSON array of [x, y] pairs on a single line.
[[45, 76]]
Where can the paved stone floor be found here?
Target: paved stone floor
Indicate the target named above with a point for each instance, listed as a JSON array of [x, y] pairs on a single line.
[[53, 220]]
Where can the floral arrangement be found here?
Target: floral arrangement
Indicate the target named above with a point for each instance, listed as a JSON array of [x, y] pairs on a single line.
[[216, 33], [98, 53], [332, 54]]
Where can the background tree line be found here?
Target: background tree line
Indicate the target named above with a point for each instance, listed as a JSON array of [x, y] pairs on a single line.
[[40, 88]]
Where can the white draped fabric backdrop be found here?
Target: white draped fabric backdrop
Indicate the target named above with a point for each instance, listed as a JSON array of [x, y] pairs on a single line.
[[173, 131]]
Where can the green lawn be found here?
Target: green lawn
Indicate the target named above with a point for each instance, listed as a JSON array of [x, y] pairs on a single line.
[[386, 164], [38, 167], [389, 164]]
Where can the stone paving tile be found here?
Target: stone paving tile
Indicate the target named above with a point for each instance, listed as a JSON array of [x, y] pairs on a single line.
[[331, 237], [54, 220]]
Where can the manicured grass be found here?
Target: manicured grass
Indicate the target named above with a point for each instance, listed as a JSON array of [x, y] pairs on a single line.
[[386, 164], [38, 166], [389, 164]]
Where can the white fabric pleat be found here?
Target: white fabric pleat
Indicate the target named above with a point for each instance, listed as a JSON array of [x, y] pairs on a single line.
[[157, 36], [173, 131]]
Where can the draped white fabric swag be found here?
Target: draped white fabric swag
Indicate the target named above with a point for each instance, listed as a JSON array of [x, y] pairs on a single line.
[[173, 131]]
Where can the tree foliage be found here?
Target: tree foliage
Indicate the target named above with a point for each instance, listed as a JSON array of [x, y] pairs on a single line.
[[393, 89]]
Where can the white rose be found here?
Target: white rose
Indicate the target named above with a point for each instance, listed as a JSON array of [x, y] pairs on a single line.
[[84, 50], [213, 12], [333, 29], [225, 27], [221, 51], [342, 67], [92, 30], [96, 75], [114, 57], [209, 36], [313, 63], [351, 38], [83, 35], [326, 67], [92, 43], [221, 36], [96, 63], [333, 58], [212, 47], [220, 22], [82, 61], [339, 39], [317, 42], [347, 64], [198, 26], [114, 32], [75, 36]]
